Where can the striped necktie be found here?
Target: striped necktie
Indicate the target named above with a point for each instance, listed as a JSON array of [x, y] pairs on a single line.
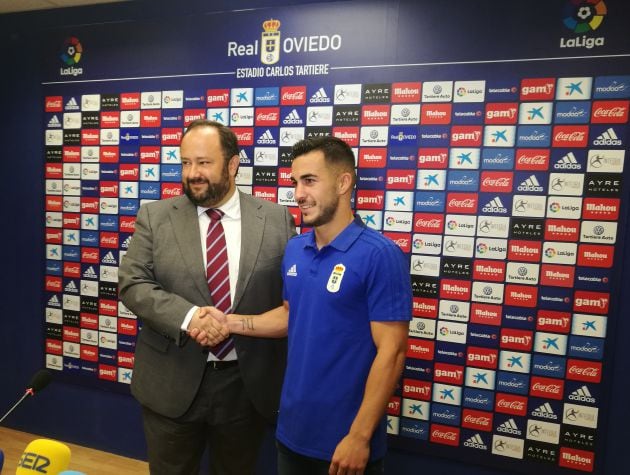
[[218, 274]]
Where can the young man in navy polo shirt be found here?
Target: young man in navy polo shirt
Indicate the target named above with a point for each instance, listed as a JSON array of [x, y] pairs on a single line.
[[347, 302]]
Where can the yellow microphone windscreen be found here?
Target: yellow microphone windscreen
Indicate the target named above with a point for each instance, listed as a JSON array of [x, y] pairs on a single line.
[[44, 456]]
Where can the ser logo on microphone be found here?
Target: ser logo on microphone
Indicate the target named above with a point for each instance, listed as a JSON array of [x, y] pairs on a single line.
[[34, 462], [44, 456]]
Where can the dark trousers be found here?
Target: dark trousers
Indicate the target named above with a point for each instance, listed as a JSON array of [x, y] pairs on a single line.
[[292, 463], [221, 417]]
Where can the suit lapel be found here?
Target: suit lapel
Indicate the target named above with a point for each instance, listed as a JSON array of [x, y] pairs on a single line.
[[252, 225], [185, 223]]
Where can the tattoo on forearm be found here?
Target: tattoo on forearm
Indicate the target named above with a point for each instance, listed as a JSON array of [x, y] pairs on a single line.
[[248, 323]]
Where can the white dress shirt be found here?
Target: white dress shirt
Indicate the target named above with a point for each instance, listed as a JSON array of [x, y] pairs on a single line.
[[231, 222]]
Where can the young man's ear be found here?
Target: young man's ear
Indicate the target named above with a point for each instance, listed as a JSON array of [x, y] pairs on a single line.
[[344, 183]]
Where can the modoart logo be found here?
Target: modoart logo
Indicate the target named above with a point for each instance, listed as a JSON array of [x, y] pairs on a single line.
[[582, 17], [71, 55]]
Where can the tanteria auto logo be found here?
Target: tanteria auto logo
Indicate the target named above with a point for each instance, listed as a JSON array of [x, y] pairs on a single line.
[[70, 55], [582, 18]]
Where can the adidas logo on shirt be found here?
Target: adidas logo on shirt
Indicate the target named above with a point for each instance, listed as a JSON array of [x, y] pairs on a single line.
[[292, 271]]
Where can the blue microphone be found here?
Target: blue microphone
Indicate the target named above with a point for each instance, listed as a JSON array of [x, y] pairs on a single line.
[[1, 460]]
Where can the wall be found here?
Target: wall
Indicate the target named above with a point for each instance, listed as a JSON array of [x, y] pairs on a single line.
[[86, 415]]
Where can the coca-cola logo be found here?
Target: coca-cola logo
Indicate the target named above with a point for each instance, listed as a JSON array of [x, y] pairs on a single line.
[[465, 203]]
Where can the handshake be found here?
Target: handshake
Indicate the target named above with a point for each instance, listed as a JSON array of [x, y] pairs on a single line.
[[209, 326]]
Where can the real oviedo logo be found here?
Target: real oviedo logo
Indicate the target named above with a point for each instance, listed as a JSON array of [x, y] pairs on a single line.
[[70, 56]]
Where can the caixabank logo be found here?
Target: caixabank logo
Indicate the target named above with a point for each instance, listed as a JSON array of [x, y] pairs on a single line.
[[70, 56], [583, 17]]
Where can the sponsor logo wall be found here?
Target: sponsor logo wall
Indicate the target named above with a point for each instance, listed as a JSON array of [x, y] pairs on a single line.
[[504, 193]]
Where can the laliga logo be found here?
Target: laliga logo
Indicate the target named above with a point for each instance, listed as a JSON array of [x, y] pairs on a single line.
[[71, 55], [583, 17], [270, 38]]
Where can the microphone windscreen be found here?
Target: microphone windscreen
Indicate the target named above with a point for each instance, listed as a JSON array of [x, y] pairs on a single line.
[[44, 456], [1, 460], [40, 380]]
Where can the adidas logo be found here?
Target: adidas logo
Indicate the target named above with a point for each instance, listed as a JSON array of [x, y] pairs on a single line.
[[320, 97], [54, 121], [242, 156], [609, 137], [530, 184], [545, 412], [109, 259], [293, 118], [509, 427], [582, 394], [72, 105], [71, 287], [125, 243], [567, 162], [476, 442], [266, 138], [89, 273], [495, 205], [292, 271], [54, 302]]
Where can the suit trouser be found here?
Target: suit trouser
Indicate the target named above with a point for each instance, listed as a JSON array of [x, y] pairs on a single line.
[[221, 417]]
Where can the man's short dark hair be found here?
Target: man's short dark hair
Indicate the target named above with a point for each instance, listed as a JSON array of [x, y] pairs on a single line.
[[337, 153], [229, 142]]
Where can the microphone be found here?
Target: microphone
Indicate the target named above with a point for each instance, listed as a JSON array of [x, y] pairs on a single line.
[[1, 460], [39, 381], [44, 456]]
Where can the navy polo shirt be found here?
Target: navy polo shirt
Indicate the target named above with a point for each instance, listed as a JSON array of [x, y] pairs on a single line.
[[334, 293]]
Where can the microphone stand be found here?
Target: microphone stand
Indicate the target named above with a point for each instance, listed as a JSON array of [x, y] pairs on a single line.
[[29, 392]]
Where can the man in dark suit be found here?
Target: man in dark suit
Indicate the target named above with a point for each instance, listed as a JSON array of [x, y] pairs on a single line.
[[193, 396]]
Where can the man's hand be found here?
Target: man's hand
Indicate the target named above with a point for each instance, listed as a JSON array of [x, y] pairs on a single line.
[[351, 456], [208, 326]]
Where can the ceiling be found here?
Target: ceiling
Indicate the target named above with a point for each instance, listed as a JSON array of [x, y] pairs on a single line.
[[14, 6]]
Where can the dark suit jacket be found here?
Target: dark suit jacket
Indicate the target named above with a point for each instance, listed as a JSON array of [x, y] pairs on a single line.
[[162, 276]]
